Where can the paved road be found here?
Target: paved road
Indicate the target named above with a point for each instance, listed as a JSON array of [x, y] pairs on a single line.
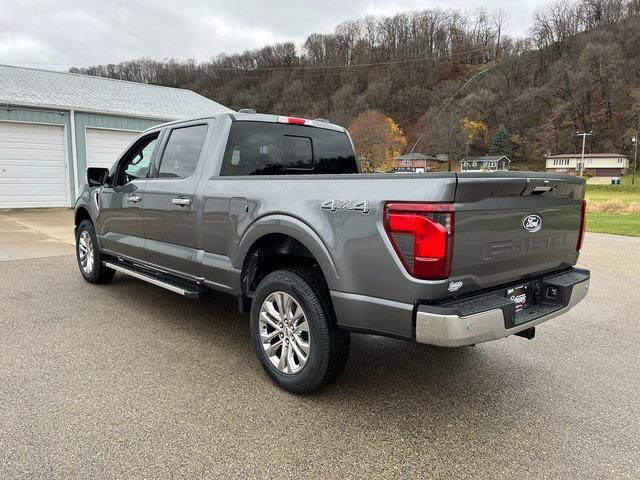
[[127, 380]]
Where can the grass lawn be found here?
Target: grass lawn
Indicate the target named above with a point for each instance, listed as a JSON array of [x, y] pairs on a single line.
[[614, 209], [625, 193], [615, 223]]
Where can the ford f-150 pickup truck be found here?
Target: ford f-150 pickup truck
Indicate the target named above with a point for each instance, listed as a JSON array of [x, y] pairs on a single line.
[[275, 211]]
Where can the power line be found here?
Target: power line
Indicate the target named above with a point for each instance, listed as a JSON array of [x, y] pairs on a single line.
[[351, 65], [306, 75], [349, 68], [211, 65]]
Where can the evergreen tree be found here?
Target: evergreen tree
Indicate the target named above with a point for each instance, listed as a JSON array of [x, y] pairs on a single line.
[[501, 144]]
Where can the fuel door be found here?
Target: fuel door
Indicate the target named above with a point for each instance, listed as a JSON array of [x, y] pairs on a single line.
[[238, 209]]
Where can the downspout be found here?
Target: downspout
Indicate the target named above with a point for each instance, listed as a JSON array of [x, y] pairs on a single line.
[[74, 154]]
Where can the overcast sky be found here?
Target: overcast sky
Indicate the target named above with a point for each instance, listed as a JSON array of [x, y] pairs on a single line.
[[63, 33]]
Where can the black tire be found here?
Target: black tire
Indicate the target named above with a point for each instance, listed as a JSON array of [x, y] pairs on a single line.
[[98, 273], [329, 346]]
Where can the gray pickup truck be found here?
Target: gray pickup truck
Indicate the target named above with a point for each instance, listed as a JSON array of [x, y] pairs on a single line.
[[275, 211]]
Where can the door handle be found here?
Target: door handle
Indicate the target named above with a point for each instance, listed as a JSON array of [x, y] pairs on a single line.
[[134, 199], [181, 202]]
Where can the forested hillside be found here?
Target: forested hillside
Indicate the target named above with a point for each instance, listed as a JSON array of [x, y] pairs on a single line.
[[453, 83]]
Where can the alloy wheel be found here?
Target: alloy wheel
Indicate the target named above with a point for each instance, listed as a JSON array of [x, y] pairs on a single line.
[[85, 248], [284, 332]]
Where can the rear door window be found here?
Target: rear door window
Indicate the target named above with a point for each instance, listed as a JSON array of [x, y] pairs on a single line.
[[260, 148], [182, 152]]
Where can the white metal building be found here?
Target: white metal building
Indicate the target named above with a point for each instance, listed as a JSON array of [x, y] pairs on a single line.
[[53, 125], [596, 164]]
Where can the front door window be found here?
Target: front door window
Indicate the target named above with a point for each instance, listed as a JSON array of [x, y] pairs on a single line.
[[136, 162]]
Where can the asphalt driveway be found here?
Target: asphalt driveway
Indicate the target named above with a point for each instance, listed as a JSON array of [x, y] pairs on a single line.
[[127, 380]]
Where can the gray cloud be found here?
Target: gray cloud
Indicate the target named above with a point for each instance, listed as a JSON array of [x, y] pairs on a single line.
[[63, 33]]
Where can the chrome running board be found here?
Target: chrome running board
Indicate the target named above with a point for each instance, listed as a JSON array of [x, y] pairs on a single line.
[[176, 286]]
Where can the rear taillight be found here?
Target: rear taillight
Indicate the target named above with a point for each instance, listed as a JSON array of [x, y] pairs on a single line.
[[422, 235], [583, 225]]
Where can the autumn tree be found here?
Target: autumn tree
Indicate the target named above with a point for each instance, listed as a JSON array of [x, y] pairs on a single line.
[[475, 132], [378, 140]]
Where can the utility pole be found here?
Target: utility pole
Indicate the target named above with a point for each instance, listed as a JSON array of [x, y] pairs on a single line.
[[584, 136], [635, 157]]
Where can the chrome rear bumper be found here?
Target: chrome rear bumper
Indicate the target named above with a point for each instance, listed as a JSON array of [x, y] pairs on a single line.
[[437, 326]]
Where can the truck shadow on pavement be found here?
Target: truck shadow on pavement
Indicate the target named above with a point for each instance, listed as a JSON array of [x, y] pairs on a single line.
[[380, 371]]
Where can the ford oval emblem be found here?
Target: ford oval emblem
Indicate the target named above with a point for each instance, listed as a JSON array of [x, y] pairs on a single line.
[[532, 223]]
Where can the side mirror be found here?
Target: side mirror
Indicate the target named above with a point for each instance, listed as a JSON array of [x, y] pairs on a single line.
[[96, 176]]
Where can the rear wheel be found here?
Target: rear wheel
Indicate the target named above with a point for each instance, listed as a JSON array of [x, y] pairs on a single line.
[[294, 331], [89, 256]]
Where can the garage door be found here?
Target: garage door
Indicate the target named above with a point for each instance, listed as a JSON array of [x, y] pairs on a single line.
[[33, 170], [105, 146], [608, 172]]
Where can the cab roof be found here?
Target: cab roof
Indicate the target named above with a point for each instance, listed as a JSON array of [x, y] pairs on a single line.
[[259, 117]]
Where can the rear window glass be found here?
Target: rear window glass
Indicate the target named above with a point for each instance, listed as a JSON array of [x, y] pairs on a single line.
[[182, 152], [257, 148]]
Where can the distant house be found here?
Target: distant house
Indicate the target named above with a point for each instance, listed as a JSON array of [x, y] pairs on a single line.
[[414, 162], [596, 164], [485, 163]]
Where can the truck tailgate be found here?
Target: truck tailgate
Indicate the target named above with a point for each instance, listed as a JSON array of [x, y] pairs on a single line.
[[510, 226]]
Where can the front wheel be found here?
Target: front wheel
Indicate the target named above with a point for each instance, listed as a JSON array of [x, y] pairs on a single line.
[[89, 256], [294, 332]]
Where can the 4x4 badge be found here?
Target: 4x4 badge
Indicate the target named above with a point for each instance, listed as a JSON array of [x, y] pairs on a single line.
[[351, 205]]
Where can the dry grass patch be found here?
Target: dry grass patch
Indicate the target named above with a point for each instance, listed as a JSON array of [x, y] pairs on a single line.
[[608, 206], [634, 207]]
